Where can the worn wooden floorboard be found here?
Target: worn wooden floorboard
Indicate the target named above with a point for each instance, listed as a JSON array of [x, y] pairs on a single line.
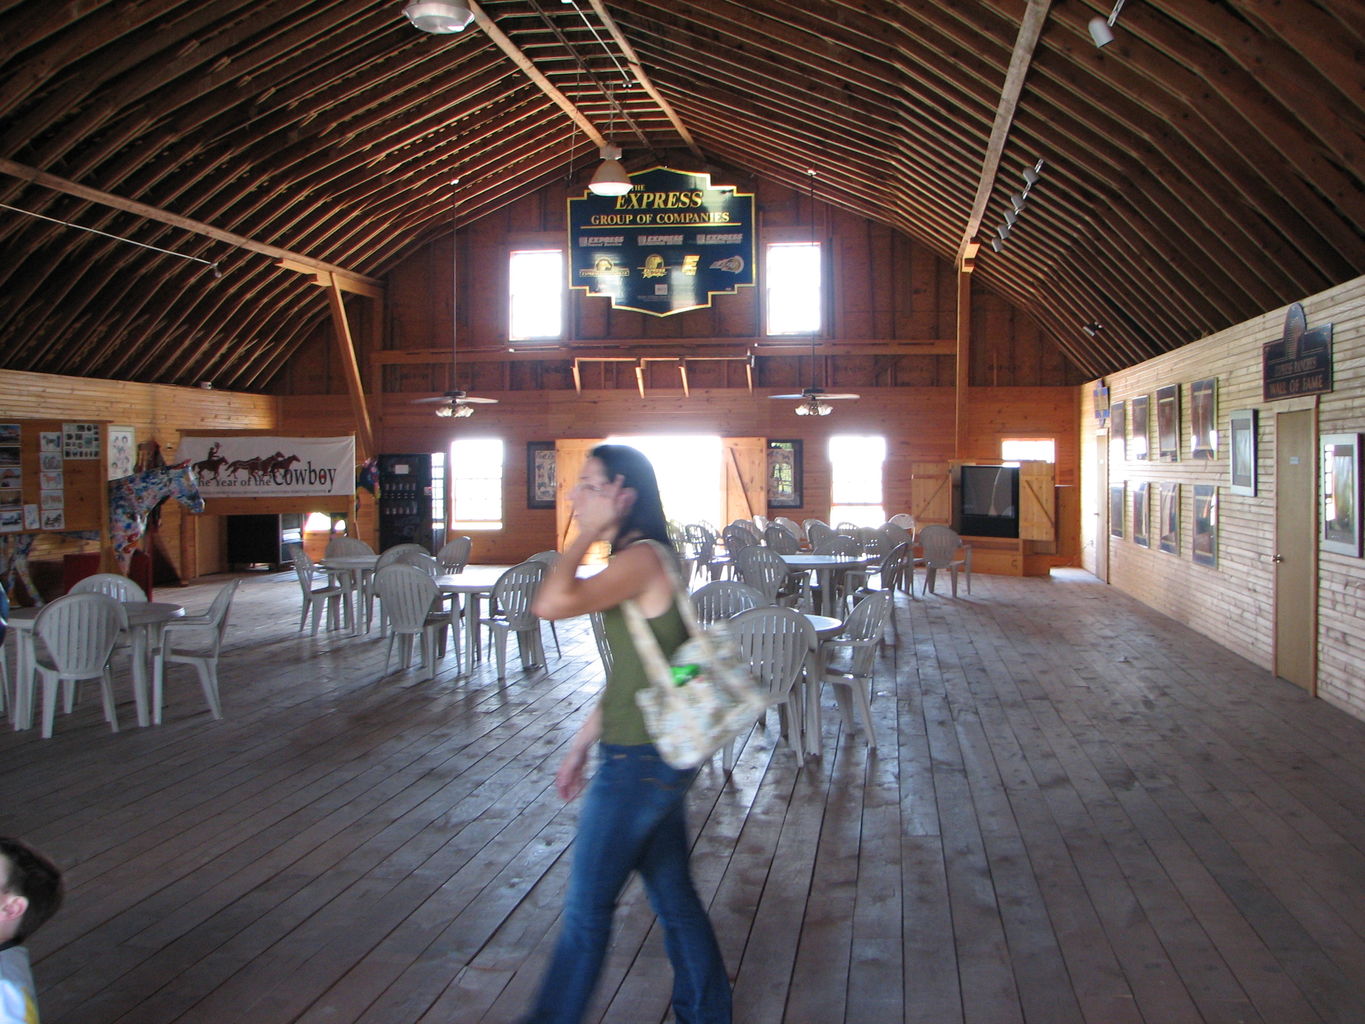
[[1078, 812]]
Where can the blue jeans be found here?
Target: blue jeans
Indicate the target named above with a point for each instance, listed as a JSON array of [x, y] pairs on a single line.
[[633, 820]]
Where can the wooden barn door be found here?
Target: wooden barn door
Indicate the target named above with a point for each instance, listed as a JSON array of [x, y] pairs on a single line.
[[570, 454], [1296, 546], [746, 477]]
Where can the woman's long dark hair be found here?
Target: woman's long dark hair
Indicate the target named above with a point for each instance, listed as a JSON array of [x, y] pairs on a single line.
[[645, 520]]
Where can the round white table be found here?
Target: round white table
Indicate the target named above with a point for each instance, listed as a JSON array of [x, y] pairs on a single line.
[[476, 582], [145, 619], [826, 567]]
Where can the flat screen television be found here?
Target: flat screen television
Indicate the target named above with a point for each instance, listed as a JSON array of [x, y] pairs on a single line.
[[988, 501]]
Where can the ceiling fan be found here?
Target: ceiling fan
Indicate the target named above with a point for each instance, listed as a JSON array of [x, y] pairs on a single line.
[[814, 400], [456, 403]]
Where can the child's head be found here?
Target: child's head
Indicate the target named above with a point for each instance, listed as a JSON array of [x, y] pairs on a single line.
[[30, 890]]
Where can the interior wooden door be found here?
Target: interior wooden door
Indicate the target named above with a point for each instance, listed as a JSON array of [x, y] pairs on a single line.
[[1296, 547], [746, 477], [1037, 502]]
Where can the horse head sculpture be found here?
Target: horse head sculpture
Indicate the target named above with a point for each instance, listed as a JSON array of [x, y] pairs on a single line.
[[131, 498]]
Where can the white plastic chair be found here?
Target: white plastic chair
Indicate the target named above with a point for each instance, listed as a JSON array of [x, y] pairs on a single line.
[[904, 520], [512, 596], [78, 632], [793, 527], [599, 634], [780, 539], [4, 665], [724, 599], [110, 584], [348, 547], [777, 643], [860, 637], [194, 640], [941, 546], [765, 572], [420, 559], [411, 603], [454, 554], [817, 532], [548, 559], [327, 596]]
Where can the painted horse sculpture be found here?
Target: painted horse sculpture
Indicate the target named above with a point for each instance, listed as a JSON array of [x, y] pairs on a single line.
[[131, 498]]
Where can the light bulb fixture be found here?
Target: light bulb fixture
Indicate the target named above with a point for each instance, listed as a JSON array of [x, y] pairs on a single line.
[[814, 407], [1011, 217], [440, 19], [998, 244], [1092, 328], [454, 411], [1032, 174], [1003, 231], [611, 178], [1017, 201], [1102, 29]]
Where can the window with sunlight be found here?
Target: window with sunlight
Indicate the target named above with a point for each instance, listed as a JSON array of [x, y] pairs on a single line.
[[536, 294], [793, 288], [689, 474], [476, 483], [856, 480], [1028, 449]]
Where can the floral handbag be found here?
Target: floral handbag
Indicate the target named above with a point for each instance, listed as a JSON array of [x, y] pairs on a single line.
[[706, 697]]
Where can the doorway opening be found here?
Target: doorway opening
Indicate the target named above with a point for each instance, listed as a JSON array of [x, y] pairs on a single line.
[[690, 472]]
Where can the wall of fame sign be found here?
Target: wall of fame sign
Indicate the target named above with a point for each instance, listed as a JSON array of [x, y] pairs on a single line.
[[666, 246]]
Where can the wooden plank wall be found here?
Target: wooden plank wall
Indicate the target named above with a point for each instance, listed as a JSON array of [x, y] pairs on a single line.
[[155, 411], [1234, 602], [917, 422]]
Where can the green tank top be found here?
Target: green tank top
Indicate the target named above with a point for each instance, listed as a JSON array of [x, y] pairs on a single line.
[[622, 722]]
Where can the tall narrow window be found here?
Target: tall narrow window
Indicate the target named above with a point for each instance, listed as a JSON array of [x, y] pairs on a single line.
[[536, 292], [476, 483], [793, 280], [856, 479]]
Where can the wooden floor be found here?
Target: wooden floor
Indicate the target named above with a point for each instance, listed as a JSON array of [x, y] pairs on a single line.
[[1079, 811]]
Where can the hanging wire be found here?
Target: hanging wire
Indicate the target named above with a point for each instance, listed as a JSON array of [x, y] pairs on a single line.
[[211, 264]]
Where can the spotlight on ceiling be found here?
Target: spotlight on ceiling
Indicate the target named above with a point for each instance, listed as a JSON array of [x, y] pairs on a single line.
[[1092, 328], [611, 178], [998, 244], [1017, 201], [439, 19], [1033, 174], [1102, 29], [1010, 217]]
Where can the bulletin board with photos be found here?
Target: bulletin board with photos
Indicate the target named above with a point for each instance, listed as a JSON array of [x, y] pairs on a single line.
[[53, 476]]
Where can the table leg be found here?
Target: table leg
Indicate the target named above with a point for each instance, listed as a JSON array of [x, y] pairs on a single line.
[[24, 673], [471, 625], [140, 646]]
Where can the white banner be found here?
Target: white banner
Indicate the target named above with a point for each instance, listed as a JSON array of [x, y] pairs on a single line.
[[268, 467]]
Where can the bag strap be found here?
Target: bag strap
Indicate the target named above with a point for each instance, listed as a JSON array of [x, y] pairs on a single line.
[[646, 644]]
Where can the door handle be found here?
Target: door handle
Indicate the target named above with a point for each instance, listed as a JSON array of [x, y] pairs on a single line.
[[1278, 558]]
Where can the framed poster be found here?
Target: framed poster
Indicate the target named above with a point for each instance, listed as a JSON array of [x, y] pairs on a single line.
[[784, 474], [1138, 408], [1118, 432], [1140, 515], [1168, 523], [1340, 490], [1117, 494], [122, 453], [1168, 423], [540, 474], [1204, 536], [1203, 419], [1242, 452]]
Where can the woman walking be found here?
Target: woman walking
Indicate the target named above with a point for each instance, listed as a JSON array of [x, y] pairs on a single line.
[[633, 814]]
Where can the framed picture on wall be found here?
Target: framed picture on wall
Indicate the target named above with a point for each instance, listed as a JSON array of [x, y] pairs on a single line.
[[1203, 419], [1242, 452], [540, 474], [1168, 523], [784, 474], [1140, 515], [1168, 423], [122, 453], [1118, 432], [1138, 409], [1204, 537], [1117, 494], [1340, 490]]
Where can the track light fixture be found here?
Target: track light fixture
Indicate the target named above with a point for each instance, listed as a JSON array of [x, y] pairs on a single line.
[[1032, 175], [1102, 29], [1017, 201], [1092, 328], [998, 244], [441, 19]]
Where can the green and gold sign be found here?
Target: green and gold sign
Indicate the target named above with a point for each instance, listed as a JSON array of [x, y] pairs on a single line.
[[668, 245]]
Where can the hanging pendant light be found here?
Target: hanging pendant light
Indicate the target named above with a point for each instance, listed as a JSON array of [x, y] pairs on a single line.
[[439, 19], [611, 178]]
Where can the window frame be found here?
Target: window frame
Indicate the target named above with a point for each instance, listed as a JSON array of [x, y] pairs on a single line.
[[537, 244], [834, 503], [790, 237], [453, 480]]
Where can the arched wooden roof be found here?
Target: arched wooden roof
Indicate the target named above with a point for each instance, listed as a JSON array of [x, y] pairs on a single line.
[[1202, 168]]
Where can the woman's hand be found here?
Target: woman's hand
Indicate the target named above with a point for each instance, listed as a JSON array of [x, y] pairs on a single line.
[[569, 779], [600, 507]]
